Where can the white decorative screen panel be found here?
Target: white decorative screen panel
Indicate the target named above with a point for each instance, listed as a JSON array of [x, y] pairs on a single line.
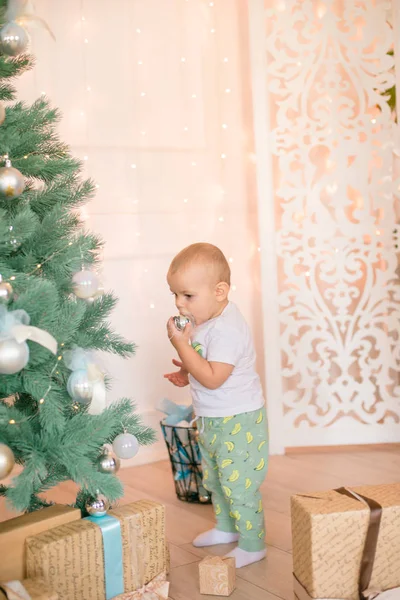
[[335, 211]]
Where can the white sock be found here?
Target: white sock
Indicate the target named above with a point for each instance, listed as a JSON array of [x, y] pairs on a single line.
[[213, 537], [244, 558]]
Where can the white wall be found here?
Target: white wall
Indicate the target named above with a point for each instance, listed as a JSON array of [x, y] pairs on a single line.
[[146, 99]]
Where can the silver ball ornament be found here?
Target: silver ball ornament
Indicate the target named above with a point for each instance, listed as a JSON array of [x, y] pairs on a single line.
[[6, 292], [12, 182], [126, 445], [7, 461], [79, 387], [98, 507], [85, 284], [13, 39], [13, 356], [204, 495], [2, 113], [107, 463], [181, 321]]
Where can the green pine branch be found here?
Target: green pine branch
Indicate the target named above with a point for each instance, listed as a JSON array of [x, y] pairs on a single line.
[[42, 245]]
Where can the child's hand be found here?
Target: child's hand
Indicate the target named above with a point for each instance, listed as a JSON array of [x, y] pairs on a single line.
[[179, 378], [177, 337]]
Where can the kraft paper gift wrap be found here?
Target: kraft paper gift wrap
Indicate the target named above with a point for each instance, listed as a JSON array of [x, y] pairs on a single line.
[[346, 543], [14, 532], [71, 558], [217, 576]]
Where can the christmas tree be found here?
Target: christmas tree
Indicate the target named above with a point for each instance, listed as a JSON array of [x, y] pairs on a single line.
[[53, 317]]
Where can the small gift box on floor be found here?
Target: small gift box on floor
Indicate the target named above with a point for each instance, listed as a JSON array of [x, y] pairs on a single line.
[[102, 557], [217, 576], [29, 589], [14, 532], [346, 543]]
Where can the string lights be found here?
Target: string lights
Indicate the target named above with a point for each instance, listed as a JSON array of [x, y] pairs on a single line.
[[42, 400], [143, 93]]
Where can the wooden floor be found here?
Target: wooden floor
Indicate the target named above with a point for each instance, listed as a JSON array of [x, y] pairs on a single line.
[[271, 578]]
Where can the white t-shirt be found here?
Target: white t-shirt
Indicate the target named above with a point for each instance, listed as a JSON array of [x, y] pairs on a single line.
[[227, 339]]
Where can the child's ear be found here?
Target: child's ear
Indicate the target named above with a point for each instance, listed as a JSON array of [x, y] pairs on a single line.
[[221, 291]]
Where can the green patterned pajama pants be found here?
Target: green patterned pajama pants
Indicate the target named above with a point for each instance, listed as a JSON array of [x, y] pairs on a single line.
[[235, 460]]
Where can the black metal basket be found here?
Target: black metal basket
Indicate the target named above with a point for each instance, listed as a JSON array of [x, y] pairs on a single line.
[[184, 454]]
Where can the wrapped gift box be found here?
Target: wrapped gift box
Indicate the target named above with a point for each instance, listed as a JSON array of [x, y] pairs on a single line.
[[157, 589], [217, 576], [35, 589], [14, 532], [334, 531], [74, 559]]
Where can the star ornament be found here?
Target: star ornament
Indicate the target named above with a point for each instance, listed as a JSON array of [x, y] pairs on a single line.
[[10, 191]]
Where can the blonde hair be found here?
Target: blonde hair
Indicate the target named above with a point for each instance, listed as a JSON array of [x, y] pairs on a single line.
[[205, 254]]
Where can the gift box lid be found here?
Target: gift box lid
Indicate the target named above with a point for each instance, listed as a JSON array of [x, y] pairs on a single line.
[[331, 502]]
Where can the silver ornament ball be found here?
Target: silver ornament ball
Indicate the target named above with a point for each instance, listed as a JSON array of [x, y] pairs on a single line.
[[126, 445], [98, 507], [79, 387], [13, 356], [181, 321], [6, 292], [107, 463], [13, 39], [204, 495], [7, 461], [2, 113], [85, 284], [12, 182]]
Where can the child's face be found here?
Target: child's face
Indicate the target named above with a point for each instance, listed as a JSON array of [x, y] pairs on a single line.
[[195, 293]]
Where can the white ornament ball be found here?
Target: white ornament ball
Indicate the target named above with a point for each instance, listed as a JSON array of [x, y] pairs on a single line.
[[85, 284], [6, 292], [126, 445], [79, 386], [2, 113], [13, 356], [12, 182], [13, 39], [7, 461]]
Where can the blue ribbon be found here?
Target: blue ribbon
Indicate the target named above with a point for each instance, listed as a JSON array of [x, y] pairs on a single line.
[[112, 549]]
